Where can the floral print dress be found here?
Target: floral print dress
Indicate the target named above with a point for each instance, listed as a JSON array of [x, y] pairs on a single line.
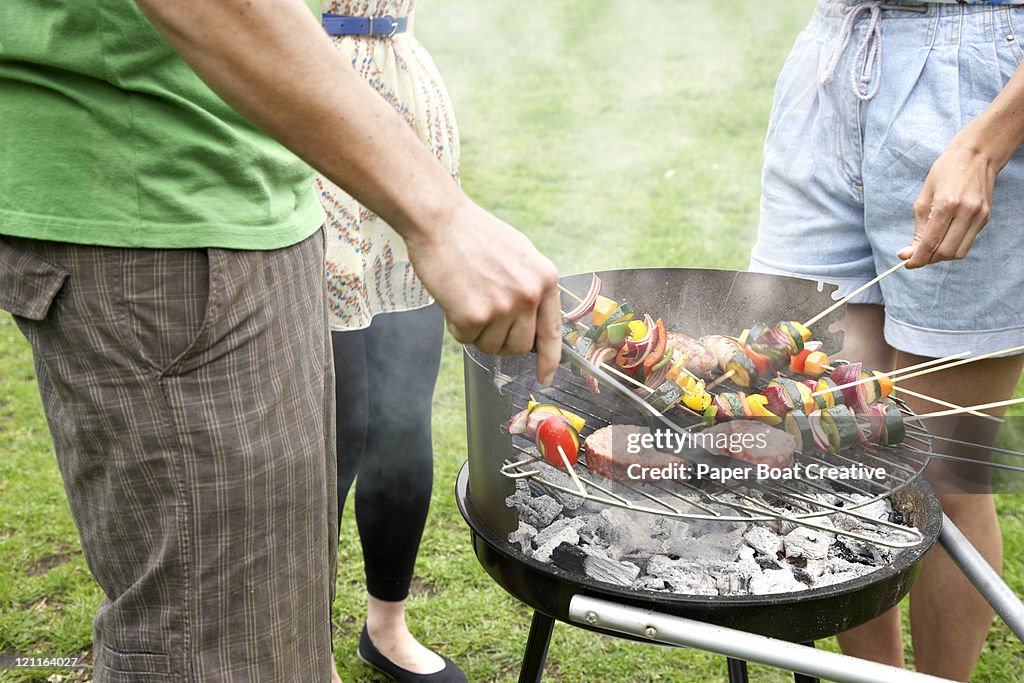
[[367, 267]]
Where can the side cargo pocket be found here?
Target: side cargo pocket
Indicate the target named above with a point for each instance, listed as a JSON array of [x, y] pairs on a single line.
[[28, 282]]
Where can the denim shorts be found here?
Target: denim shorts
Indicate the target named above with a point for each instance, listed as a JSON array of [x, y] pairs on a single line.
[[841, 173]]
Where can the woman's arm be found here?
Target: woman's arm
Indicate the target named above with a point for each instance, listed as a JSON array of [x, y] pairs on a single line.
[[955, 201], [271, 60]]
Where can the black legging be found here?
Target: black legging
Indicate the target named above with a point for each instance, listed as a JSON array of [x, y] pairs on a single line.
[[385, 383]]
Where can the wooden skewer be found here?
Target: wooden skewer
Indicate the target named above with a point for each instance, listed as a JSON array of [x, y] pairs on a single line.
[[853, 294], [719, 380], [571, 471], [566, 291], [632, 380], [893, 375], [940, 402], [932, 399], [958, 411], [928, 364], [965, 360]]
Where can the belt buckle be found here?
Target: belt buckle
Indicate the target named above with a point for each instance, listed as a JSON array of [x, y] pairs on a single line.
[[394, 26]]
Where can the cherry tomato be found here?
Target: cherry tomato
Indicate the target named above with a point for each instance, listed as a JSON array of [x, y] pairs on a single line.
[[553, 433]]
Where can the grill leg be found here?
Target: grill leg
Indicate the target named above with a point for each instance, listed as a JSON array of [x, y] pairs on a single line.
[[804, 678], [536, 648], [737, 670]]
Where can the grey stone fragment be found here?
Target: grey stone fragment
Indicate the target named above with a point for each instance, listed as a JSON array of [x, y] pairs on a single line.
[[563, 535], [536, 511], [559, 476], [802, 576], [650, 583], [816, 568], [682, 576], [733, 584], [594, 531], [775, 581], [745, 552], [807, 543], [763, 540], [523, 536], [851, 550], [557, 528]]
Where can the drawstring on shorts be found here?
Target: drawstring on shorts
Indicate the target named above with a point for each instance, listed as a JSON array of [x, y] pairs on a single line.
[[866, 67]]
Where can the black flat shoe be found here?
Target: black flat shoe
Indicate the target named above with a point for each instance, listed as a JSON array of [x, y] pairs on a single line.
[[451, 673]]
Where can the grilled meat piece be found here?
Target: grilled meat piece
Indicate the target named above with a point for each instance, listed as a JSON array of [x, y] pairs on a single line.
[[608, 452], [699, 360], [753, 442]]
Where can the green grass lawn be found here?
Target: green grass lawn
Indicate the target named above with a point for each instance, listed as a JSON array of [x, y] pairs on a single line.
[[614, 137]]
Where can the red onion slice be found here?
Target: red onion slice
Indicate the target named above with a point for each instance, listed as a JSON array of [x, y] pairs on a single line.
[[656, 380], [517, 425], [820, 438], [639, 345], [587, 305], [598, 358]]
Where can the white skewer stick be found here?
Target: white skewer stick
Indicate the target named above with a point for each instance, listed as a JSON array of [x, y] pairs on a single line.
[[927, 364], [939, 401], [719, 380], [615, 371], [958, 411], [566, 291], [893, 375], [966, 360], [571, 471], [853, 294]]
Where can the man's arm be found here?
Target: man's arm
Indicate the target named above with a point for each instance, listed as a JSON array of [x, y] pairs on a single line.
[[271, 60], [954, 204]]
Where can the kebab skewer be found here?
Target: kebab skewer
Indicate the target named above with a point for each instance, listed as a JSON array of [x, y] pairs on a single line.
[[669, 362], [750, 358]]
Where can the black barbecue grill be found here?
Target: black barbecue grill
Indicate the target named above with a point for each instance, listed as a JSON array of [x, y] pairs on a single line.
[[698, 302]]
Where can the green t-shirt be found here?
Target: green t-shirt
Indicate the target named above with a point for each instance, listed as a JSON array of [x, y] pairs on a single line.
[[107, 137]]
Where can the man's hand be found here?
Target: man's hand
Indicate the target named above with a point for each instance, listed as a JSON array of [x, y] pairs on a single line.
[[953, 207], [498, 292]]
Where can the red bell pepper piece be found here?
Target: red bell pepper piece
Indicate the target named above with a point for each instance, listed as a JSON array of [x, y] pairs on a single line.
[[659, 347], [796, 363], [761, 361]]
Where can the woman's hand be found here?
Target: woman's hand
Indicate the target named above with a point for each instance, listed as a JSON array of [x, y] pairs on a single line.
[[953, 207], [956, 199]]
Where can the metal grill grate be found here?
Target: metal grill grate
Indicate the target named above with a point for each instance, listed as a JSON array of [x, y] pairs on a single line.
[[804, 503]]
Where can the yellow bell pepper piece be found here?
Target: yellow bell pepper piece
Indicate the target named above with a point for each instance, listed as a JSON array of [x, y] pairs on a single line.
[[814, 364], [884, 382], [804, 332], [677, 367], [637, 330], [602, 309], [575, 420], [698, 400], [688, 383]]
